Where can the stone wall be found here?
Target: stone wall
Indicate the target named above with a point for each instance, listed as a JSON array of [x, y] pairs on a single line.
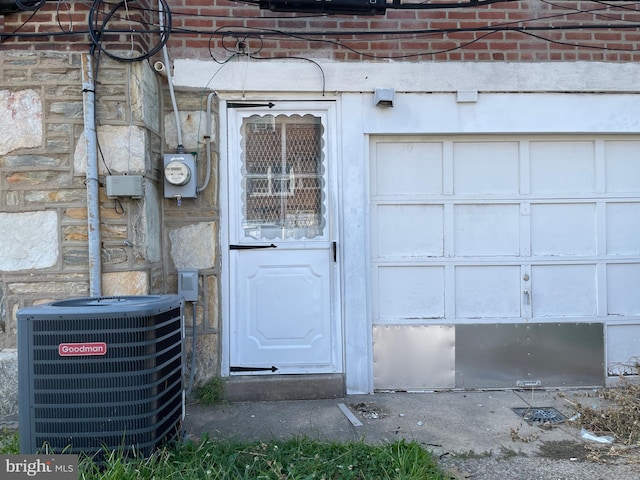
[[43, 212], [191, 229], [43, 197]]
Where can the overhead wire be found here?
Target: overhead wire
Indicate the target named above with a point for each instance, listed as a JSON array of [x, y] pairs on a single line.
[[526, 26], [97, 29]]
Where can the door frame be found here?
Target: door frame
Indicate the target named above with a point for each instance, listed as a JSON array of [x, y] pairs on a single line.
[[303, 106]]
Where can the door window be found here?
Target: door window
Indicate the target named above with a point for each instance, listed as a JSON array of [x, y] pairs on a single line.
[[283, 177]]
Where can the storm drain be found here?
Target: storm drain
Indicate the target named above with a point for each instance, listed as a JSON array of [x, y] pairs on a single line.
[[540, 415]]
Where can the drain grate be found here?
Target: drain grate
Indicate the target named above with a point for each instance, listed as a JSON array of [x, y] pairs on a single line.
[[535, 415]]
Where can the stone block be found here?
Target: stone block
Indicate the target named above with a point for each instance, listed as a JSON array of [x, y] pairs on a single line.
[[49, 289], [8, 382], [125, 283], [124, 149], [29, 240], [193, 125], [194, 246], [20, 120], [40, 197]]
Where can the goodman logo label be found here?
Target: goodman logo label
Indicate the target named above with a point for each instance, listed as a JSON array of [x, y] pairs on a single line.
[[81, 349]]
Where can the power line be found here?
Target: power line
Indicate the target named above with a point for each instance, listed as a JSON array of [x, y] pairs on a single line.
[[99, 31]]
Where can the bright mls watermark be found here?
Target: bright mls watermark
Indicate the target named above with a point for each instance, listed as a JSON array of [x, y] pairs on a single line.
[[49, 467]]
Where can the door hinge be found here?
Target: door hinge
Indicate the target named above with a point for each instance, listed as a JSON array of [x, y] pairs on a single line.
[[334, 247], [253, 369], [249, 105], [251, 247]]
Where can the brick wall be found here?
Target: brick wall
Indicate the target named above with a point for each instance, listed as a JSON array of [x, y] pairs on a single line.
[[204, 28]]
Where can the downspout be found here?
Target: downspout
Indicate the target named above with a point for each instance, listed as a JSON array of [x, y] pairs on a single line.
[[93, 194]]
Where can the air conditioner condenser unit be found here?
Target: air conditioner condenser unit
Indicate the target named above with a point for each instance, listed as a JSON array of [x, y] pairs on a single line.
[[100, 374]]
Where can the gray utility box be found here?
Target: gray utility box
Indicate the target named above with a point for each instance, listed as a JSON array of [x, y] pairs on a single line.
[[100, 372], [125, 186]]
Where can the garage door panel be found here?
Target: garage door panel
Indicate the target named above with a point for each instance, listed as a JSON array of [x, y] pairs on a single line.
[[410, 230], [563, 290], [486, 168], [487, 230], [622, 350], [410, 293], [487, 291], [561, 167], [623, 289], [408, 168], [563, 229], [622, 166], [623, 229]]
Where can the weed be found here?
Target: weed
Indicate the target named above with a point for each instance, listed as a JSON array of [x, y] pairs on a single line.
[[508, 453], [9, 442], [471, 454], [621, 416], [211, 393]]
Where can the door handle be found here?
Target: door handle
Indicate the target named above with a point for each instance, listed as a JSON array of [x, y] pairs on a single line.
[[527, 293], [251, 247]]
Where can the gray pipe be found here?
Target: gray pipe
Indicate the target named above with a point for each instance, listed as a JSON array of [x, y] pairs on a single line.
[[93, 193], [207, 140]]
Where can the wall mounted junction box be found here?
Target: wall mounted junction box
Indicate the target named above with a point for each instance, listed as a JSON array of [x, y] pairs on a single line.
[[125, 186], [188, 284]]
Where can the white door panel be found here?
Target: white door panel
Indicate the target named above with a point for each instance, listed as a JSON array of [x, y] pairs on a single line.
[[282, 309]]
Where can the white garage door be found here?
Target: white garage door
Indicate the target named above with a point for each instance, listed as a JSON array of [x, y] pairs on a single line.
[[488, 229]]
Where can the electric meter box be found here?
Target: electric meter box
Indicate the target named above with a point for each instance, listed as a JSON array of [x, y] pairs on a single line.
[[180, 179]]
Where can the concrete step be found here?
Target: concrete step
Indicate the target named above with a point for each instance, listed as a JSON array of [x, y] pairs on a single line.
[[253, 388]]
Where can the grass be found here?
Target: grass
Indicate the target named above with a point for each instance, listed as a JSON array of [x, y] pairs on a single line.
[[295, 459], [211, 393]]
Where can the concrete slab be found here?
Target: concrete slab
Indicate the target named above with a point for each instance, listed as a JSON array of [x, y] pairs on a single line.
[[446, 422], [474, 434]]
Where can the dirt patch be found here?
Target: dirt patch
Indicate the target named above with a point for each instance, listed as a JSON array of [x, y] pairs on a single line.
[[370, 410], [564, 450]]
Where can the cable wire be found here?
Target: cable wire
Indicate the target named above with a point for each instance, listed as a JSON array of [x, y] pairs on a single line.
[[98, 30]]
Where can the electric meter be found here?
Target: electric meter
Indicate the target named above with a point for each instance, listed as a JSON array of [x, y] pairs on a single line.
[[177, 173], [180, 176]]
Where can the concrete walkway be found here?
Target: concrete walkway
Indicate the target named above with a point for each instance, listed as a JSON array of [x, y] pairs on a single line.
[[475, 434]]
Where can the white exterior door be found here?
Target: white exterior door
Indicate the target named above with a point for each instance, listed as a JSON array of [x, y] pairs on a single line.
[[282, 252]]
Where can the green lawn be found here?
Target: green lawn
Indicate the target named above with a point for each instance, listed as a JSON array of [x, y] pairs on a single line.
[[299, 458]]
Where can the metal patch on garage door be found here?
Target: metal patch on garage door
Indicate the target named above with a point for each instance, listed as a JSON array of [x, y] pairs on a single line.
[[413, 357]]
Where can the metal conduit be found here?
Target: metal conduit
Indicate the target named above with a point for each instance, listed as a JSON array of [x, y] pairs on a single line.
[[93, 194]]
